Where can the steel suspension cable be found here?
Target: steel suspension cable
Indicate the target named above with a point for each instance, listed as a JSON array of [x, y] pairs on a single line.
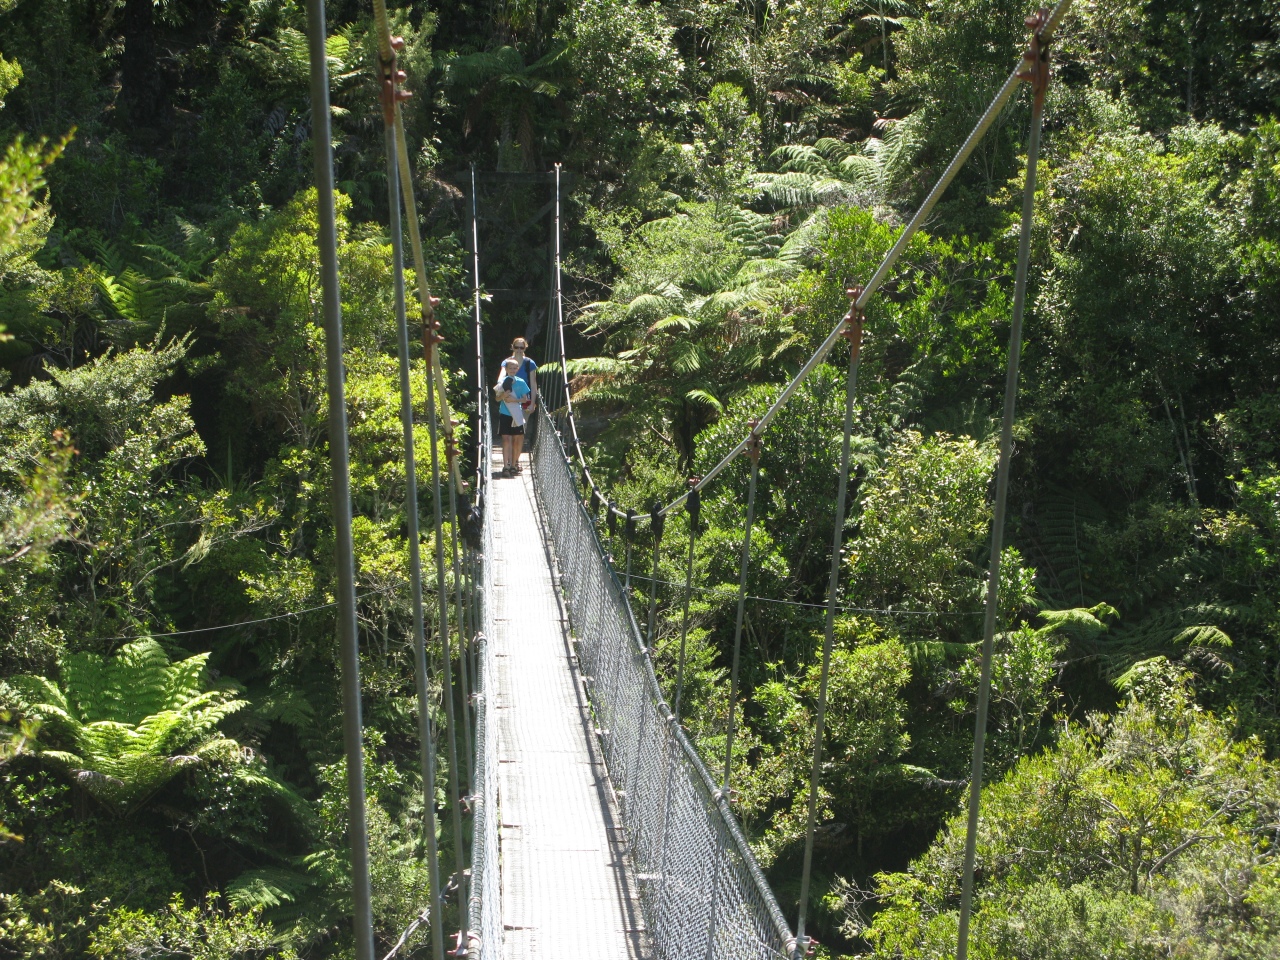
[[753, 452], [566, 398], [435, 419], [1037, 73], [853, 330], [426, 302], [426, 735], [339, 453]]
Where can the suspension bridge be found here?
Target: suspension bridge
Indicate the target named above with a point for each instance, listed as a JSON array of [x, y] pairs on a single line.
[[595, 829]]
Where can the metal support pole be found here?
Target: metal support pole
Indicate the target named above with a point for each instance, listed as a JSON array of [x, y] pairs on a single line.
[[431, 339], [1038, 74], [465, 774], [694, 507], [753, 451], [657, 521], [467, 742], [339, 453], [628, 534], [426, 735], [567, 399], [482, 383], [854, 332]]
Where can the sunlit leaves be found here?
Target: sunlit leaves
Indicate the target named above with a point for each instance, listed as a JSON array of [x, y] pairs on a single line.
[[129, 723]]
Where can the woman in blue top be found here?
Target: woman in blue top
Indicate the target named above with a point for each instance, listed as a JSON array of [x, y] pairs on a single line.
[[526, 371], [512, 392]]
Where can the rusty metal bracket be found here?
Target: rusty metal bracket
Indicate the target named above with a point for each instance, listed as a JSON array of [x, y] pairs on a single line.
[[392, 76], [853, 319], [1036, 69], [754, 445]]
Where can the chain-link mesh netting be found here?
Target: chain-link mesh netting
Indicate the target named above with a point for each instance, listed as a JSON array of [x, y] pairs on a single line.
[[485, 907], [701, 890]]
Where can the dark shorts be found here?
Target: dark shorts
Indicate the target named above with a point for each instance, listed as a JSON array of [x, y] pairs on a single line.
[[507, 429]]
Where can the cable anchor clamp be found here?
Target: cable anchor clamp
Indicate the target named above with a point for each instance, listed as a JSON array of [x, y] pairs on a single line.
[[392, 76], [1036, 67], [754, 444], [693, 504], [853, 319]]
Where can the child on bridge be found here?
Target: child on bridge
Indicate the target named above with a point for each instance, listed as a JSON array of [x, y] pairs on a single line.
[[511, 392]]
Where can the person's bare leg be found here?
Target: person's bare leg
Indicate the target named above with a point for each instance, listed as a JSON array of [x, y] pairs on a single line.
[[507, 446], [518, 445]]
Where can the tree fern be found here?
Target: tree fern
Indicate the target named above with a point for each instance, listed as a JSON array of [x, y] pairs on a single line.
[[1179, 633], [270, 889], [129, 723]]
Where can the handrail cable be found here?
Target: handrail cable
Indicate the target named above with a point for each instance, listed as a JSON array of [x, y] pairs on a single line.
[[636, 721], [877, 278], [484, 908], [340, 483], [566, 397], [1037, 74]]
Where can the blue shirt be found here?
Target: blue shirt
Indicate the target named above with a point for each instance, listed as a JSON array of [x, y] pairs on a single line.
[[521, 390], [527, 368]]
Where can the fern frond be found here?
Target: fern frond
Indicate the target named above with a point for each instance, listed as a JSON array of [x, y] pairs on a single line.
[[705, 398], [934, 653], [1202, 635], [266, 888]]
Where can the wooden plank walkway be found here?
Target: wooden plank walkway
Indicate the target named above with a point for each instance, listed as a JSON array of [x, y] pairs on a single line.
[[568, 890]]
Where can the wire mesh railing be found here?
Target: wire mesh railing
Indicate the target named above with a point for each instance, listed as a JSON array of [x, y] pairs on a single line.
[[485, 889], [701, 891]]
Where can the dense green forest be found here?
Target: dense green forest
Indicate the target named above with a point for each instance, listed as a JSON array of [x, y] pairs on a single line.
[[164, 462]]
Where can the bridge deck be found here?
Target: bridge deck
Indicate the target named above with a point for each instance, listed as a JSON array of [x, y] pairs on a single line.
[[568, 890]]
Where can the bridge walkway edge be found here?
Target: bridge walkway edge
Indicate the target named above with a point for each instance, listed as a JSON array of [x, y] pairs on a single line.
[[568, 887]]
